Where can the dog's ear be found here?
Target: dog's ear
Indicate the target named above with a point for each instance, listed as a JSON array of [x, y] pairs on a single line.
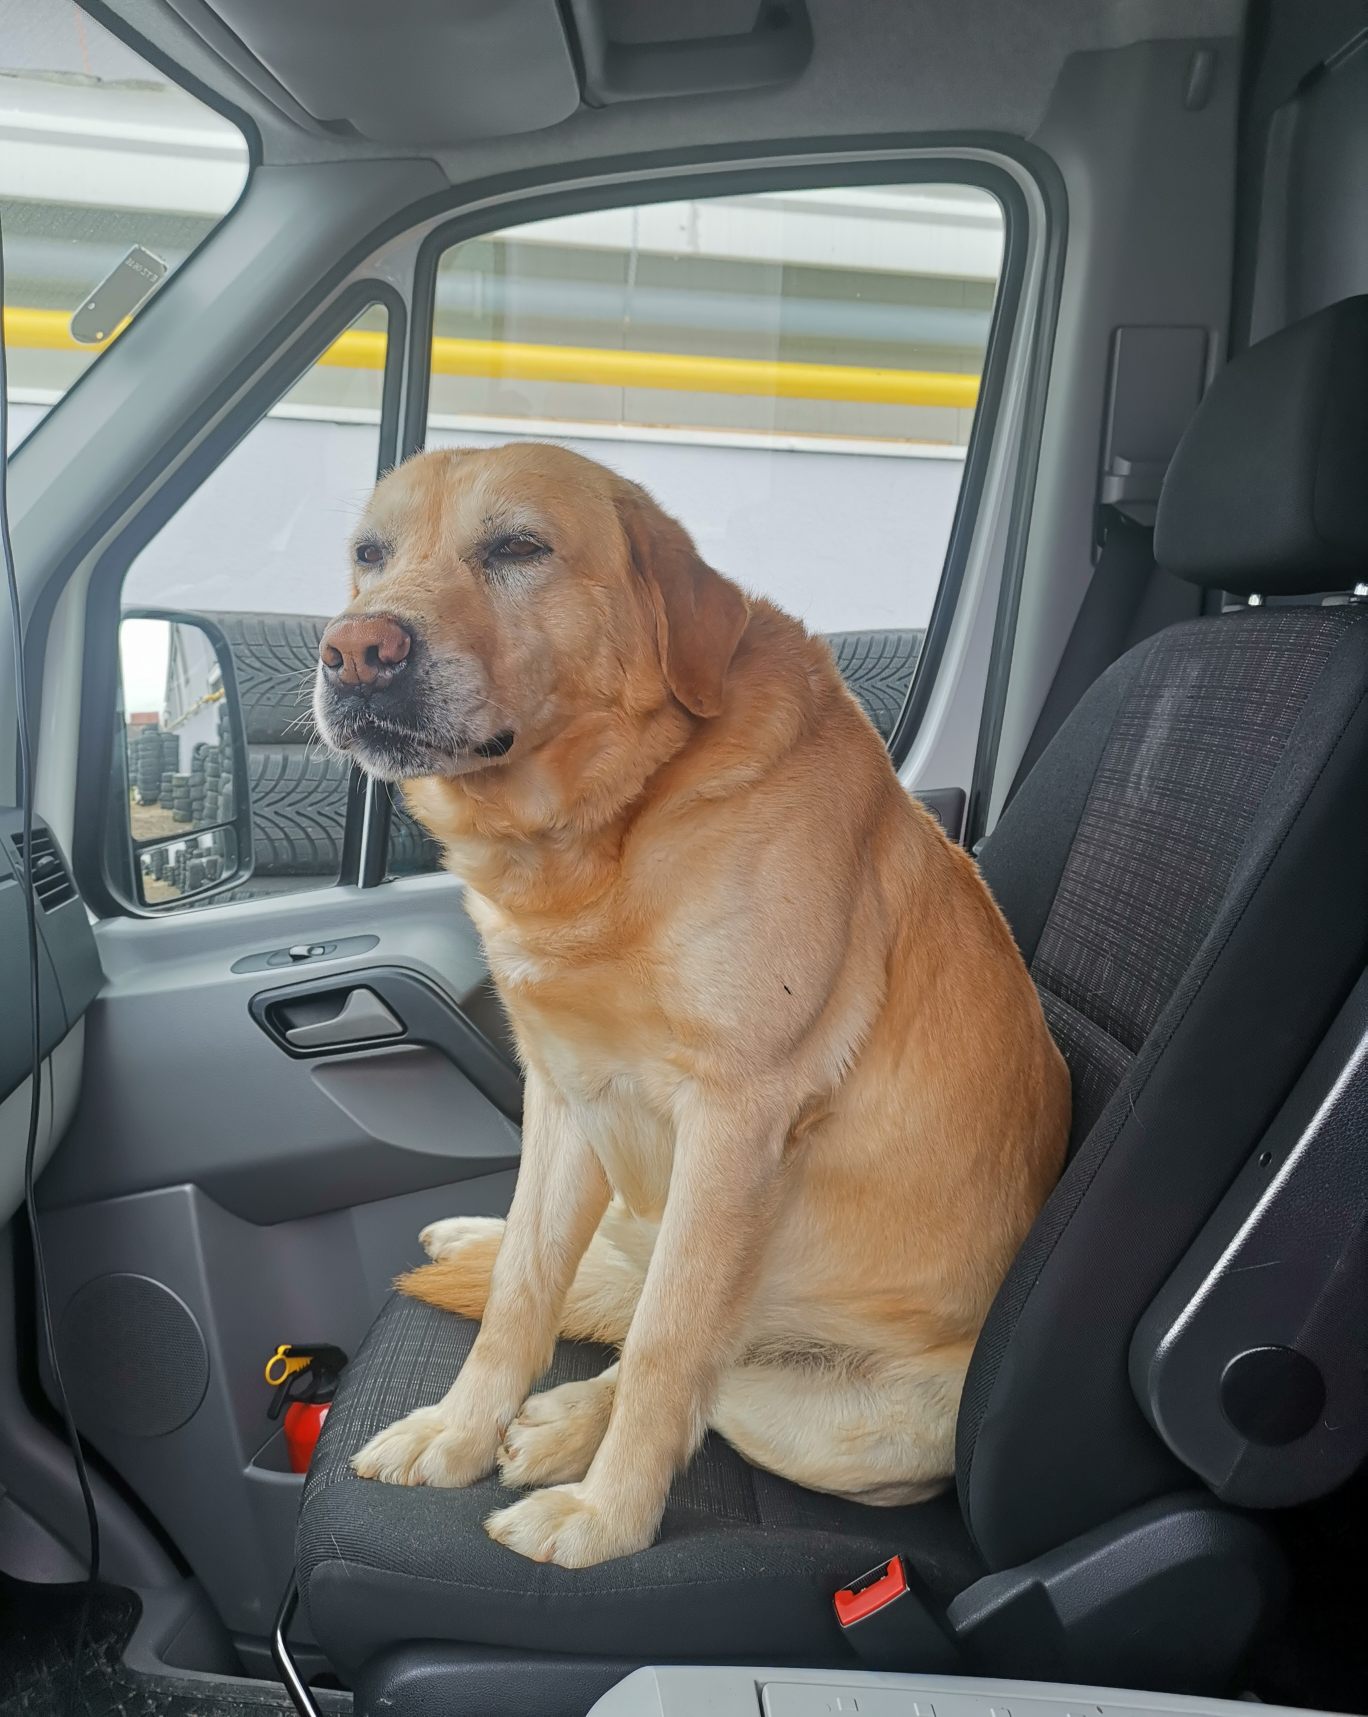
[[699, 615]]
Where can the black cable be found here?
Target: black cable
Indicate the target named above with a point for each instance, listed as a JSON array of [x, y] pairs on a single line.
[[31, 919]]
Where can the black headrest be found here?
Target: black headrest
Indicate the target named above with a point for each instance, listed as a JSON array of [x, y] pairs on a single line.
[[1268, 489]]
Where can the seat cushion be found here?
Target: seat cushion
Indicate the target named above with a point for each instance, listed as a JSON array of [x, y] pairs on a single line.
[[744, 1565]]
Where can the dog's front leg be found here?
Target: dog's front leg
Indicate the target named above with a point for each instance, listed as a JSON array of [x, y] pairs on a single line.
[[560, 1196], [723, 1191]]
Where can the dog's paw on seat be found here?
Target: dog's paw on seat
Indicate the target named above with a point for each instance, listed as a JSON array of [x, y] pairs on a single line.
[[424, 1448], [454, 1234], [463, 1250], [556, 1434], [565, 1527]]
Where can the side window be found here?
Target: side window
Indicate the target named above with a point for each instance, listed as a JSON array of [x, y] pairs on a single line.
[[259, 550], [792, 374]]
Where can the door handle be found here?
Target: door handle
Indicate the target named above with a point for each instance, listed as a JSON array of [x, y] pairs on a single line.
[[415, 1011], [364, 1016]]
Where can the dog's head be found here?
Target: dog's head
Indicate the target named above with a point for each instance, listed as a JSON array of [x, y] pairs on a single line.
[[502, 595]]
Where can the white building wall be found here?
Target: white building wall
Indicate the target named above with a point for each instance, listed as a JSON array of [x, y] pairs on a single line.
[[846, 542]]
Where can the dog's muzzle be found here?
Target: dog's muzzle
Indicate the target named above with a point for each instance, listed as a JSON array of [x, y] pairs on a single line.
[[384, 698]]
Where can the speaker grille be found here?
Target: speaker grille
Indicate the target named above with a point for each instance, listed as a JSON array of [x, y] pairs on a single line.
[[133, 1358]]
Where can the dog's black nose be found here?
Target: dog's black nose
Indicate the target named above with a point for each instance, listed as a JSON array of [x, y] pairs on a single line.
[[364, 651]]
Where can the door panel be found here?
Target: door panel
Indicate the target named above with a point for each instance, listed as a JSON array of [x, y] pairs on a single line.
[[168, 1307], [183, 1084], [241, 1196], [394, 1007]]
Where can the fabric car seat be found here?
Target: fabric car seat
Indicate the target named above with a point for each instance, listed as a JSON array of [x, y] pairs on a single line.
[[1184, 871]]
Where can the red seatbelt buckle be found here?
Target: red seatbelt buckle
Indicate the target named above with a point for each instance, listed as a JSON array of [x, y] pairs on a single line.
[[861, 1598], [890, 1625]]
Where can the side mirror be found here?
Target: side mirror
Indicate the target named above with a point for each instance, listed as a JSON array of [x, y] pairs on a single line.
[[184, 777]]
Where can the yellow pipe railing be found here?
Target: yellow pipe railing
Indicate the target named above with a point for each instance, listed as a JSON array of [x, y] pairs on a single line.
[[47, 328], [679, 372]]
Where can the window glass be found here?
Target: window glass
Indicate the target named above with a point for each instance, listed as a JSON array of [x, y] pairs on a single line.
[[412, 849], [261, 549], [110, 175], [792, 374]]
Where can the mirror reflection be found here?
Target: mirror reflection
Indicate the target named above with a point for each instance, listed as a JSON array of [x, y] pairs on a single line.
[[173, 870], [178, 738], [177, 730]]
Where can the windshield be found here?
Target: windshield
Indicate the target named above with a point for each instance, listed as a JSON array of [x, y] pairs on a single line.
[[110, 175]]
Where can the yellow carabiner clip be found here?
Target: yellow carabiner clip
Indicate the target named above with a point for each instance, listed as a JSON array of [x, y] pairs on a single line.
[[287, 1362]]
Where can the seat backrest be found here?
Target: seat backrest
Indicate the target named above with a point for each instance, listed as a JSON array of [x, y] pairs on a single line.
[[1186, 873]]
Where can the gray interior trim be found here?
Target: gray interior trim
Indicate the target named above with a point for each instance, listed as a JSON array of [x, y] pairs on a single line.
[[40, 1480], [991, 68], [1151, 242], [684, 1690], [61, 1087]]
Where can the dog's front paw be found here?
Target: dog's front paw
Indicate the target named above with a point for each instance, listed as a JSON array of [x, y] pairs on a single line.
[[563, 1526], [425, 1448], [442, 1240], [556, 1434]]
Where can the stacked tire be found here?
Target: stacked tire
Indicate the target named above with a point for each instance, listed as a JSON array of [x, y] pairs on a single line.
[[153, 756], [214, 768], [299, 809], [878, 668], [219, 774], [197, 783], [299, 789], [187, 870], [211, 781], [412, 849]]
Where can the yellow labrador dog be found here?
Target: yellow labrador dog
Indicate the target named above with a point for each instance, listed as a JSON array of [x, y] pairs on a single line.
[[791, 1103]]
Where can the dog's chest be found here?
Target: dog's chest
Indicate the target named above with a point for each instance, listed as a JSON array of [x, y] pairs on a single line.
[[621, 1108], [635, 1145], [622, 1115], [581, 996], [590, 1026]]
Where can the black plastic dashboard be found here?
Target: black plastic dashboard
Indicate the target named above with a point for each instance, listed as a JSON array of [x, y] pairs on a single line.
[[70, 975]]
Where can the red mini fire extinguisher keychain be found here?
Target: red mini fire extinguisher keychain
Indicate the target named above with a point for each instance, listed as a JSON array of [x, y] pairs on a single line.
[[305, 1380]]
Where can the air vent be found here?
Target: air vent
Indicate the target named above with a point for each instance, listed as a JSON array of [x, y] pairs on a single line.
[[52, 887]]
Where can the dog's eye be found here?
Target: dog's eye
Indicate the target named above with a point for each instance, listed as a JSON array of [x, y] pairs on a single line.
[[369, 554], [519, 545]]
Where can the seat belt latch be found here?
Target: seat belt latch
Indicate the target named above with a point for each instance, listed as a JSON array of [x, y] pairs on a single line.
[[889, 1625], [871, 1593]]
